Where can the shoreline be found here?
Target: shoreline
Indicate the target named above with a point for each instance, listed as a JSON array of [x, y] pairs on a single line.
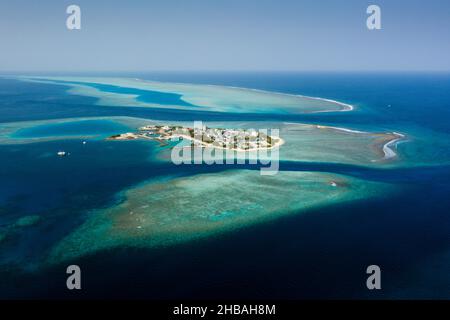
[[387, 147], [133, 136], [279, 143]]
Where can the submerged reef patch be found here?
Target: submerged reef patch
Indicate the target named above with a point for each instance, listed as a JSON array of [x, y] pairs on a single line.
[[157, 214], [27, 221]]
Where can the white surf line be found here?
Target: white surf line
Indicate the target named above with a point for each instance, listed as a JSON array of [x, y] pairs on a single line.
[[346, 105], [318, 126], [388, 150], [388, 147], [342, 129]]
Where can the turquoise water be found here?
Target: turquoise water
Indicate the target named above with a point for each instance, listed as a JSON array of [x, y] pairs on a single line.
[[75, 128], [294, 257], [156, 97]]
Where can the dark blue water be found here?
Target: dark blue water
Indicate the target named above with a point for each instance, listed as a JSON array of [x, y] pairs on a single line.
[[321, 254]]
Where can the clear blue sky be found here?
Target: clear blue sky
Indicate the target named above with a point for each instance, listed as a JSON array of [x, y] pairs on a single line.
[[224, 35]]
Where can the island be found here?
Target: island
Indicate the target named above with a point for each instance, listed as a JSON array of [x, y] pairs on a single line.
[[203, 136]]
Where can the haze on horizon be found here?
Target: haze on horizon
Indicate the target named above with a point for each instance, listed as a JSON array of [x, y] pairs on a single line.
[[245, 35]]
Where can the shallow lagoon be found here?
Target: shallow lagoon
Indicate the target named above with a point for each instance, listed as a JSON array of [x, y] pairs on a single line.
[[70, 128], [129, 92], [303, 142]]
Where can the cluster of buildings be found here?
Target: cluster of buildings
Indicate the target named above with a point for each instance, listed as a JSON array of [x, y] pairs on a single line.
[[217, 137]]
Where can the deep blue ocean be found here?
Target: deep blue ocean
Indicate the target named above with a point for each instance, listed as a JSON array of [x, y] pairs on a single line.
[[319, 254]]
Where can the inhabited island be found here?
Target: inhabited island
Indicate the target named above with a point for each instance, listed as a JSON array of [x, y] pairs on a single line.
[[220, 138]]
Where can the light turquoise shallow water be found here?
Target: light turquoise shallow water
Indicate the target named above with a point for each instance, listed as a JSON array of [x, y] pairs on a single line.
[[71, 128]]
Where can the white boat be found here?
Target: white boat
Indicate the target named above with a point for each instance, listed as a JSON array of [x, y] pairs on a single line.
[[61, 153]]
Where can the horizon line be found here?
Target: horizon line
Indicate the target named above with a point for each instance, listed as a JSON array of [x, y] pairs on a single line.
[[2, 72]]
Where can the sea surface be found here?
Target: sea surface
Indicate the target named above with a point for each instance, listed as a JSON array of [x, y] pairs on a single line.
[[321, 253]]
